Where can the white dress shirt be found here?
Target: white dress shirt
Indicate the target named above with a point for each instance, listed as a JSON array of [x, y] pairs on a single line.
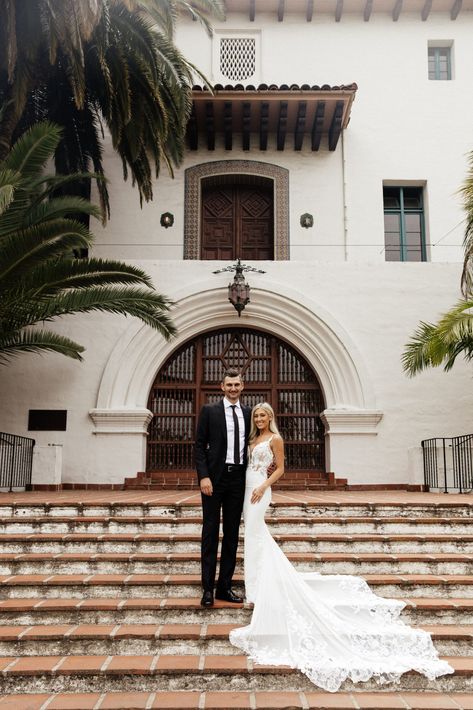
[[231, 429]]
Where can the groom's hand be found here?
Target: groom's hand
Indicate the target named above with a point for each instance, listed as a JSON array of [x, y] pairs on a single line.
[[206, 486]]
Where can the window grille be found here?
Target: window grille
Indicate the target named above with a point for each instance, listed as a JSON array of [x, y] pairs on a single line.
[[237, 58], [440, 63]]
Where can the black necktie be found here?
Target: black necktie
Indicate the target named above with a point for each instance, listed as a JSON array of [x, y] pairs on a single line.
[[236, 436]]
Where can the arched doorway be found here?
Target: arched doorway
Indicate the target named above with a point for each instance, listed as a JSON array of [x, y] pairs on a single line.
[[273, 371]]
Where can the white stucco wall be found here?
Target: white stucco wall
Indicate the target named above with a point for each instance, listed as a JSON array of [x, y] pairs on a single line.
[[403, 129], [373, 307]]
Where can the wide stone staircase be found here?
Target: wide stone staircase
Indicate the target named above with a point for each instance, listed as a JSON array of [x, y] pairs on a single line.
[[99, 599]]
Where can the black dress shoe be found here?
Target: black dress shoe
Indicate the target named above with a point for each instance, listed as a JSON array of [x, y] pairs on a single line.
[[228, 596], [207, 599]]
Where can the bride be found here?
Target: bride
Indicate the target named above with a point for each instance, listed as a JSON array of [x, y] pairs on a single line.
[[330, 627]]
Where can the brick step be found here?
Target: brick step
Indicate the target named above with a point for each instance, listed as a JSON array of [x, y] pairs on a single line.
[[177, 639], [176, 610], [238, 700], [190, 477], [278, 524], [190, 542], [166, 672], [129, 585], [144, 485], [189, 563]]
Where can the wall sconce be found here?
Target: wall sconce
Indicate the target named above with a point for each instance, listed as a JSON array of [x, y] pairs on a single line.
[[167, 220], [307, 220], [239, 289]]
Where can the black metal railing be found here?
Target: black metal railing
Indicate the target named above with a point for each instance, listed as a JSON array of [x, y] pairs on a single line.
[[16, 461], [448, 463]]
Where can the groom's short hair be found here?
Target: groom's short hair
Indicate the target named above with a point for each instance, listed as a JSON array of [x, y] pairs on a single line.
[[232, 372]]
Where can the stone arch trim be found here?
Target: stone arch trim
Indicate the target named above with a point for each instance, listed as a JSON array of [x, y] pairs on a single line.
[[193, 195], [141, 352]]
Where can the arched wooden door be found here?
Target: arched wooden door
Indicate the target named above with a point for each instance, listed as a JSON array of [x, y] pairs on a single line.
[[273, 372]]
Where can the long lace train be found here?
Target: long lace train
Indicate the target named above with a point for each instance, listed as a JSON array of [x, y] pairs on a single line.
[[331, 627]]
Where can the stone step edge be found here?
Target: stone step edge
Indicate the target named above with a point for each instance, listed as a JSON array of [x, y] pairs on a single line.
[[137, 579], [237, 700], [153, 557], [160, 664], [272, 519], [192, 500], [36, 604], [6, 538], [191, 631]]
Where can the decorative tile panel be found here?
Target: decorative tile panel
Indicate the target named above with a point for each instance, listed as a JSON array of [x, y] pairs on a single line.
[[193, 194]]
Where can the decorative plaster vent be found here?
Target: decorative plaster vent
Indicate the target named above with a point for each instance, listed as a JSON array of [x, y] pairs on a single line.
[[237, 58]]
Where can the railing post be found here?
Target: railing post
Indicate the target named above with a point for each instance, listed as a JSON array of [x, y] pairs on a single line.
[[444, 467]]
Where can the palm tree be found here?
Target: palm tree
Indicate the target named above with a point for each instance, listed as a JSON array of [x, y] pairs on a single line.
[[441, 343], [467, 194], [114, 61], [40, 280]]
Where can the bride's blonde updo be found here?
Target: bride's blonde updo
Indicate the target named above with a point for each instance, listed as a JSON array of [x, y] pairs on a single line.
[[273, 427]]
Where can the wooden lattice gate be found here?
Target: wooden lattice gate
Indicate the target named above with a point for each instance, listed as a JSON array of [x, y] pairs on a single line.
[[273, 372]]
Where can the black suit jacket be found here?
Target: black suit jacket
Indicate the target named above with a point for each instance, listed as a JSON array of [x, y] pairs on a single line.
[[211, 440]]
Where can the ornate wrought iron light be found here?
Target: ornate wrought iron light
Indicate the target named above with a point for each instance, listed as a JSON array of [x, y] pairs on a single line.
[[239, 289]]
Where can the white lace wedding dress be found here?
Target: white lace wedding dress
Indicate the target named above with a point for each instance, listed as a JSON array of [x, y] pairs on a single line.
[[331, 627]]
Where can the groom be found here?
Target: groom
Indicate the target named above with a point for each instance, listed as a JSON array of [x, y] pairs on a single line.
[[220, 455]]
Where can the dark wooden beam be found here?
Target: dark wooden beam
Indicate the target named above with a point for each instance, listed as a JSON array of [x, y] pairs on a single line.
[[456, 7], [426, 10], [252, 11], [397, 10], [300, 125], [192, 130], [318, 125], [227, 124], [281, 4], [246, 125], [282, 126], [338, 10], [336, 126], [210, 125], [310, 10], [368, 10], [263, 126]]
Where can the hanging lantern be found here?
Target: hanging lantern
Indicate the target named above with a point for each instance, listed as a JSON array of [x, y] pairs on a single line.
[[239, 289]]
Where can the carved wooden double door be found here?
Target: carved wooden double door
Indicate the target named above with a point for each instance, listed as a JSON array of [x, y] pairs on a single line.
[[237, 222], [273, 372]]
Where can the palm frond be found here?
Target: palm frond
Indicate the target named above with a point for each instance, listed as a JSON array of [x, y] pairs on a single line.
[[26, 248], [149, 306], [33, 149], [438, 344], [37, 341], [54, 277]]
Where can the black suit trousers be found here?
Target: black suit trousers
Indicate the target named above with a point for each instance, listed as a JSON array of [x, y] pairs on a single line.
[[226, 501]]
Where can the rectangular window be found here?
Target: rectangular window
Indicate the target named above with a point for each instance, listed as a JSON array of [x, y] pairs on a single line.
[[440, 64], [404, 234]]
